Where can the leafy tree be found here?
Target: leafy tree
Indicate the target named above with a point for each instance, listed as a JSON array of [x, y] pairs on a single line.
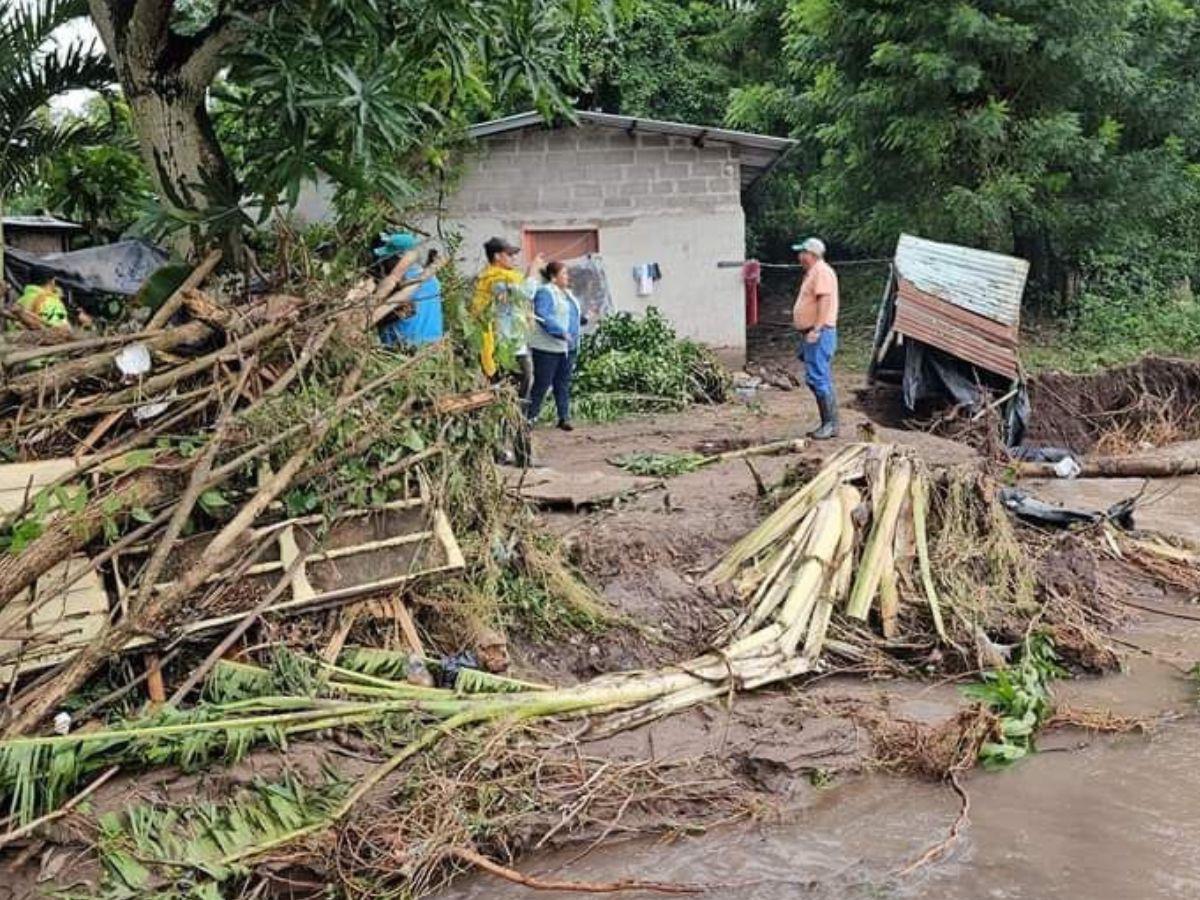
[[104, 186], [675, 59], [1059, 130], [33, 71], [364, 91]]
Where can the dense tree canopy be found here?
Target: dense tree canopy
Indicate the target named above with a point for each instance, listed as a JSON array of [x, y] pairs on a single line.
[[364, 91], [1059, 130]]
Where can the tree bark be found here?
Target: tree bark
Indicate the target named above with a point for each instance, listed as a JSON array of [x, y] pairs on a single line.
[[165, 78]]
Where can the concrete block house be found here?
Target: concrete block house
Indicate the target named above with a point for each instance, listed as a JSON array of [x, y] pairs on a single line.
[[649, 197]]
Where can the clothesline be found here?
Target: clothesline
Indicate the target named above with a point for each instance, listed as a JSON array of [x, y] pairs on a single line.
[[837, 264]]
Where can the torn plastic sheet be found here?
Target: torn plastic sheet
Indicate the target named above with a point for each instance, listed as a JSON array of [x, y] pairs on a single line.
[[151, 410], [121, 268], [589, 284], [1039, 512]]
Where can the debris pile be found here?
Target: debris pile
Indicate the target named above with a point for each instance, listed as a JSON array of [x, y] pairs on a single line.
[[230, 461], [225, 460]]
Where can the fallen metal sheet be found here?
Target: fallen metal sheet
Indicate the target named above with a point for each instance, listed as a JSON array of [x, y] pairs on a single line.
[[960, 332], [574, 490], [988, 284], [355, 553], [44, 625]]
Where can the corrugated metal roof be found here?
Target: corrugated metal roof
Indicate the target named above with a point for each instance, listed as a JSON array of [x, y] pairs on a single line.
[[990, 284], [46, 223], [759, 151], [967, 335]]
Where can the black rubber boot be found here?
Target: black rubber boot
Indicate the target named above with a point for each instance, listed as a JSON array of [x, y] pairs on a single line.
[[827, 404]]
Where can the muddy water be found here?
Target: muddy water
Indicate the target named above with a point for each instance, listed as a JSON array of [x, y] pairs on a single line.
[[1100, 818]]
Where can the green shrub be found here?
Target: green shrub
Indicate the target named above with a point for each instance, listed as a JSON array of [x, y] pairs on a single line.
[[640, 365], [1117, 320]]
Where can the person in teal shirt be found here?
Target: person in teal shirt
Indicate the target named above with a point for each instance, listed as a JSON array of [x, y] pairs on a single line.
[[425, 325]]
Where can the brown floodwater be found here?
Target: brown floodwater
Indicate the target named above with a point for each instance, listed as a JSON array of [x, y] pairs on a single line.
[[1103, 818]]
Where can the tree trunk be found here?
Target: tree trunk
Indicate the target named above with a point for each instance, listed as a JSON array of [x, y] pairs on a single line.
[[165, 78], [177, 141]]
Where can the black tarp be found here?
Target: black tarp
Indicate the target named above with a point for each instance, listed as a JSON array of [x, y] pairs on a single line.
[[933, 374], [121, 268]]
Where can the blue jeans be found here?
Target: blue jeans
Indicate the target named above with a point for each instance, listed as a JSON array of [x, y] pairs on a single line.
[[550, 370], [818, 361]]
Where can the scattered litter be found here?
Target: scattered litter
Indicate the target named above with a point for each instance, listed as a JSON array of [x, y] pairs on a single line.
[[152, 410], [133, 359]]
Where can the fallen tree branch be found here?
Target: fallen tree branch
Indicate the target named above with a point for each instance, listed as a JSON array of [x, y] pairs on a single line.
[[155, 617], [581, 887], [1117, 467], [163, 314]]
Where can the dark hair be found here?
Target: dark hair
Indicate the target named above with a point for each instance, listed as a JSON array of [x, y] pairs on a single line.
[[433, 254], [553, 268], [497, 245]]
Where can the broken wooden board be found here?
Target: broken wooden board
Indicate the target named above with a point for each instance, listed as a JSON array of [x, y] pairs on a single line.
[[552, 489], [47, 623], [356, 553]]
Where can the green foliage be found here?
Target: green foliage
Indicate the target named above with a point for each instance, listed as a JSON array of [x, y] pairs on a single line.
[[371, 95], [660, 465], [673, 60], [38, 776], [635, 365], [1056, 130], [1116, 321], [530, 606], [1020, 696], [104, 186], [143, 848], [30, 78], [68, 499]]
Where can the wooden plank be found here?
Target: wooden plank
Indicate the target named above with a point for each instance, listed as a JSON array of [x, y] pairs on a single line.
[[18, 479], [57, 629], [408, 628]]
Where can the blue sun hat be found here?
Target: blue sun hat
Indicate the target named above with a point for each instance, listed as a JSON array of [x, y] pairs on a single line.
[[394, 243]]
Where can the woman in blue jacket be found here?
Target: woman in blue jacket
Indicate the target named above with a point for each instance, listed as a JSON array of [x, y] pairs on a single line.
[[555, 335]]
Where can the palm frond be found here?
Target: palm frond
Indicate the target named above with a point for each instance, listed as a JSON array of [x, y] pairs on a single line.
[[134, 843], [25, 27]]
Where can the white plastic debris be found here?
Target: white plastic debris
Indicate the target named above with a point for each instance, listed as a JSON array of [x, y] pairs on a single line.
[[1067, 467], [150, 410], [133, 359], [62, 723]]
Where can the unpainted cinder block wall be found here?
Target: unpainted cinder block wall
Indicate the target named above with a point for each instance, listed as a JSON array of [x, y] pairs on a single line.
[[651, 197]]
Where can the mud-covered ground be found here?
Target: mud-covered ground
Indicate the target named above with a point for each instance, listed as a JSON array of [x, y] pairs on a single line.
[[789, 745], [796, 763]]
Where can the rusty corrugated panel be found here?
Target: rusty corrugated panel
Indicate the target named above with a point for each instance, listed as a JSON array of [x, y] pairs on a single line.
[[989, 284], [961, 332]]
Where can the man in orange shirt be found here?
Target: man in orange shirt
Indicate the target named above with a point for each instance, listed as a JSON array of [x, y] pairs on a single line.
[[815, 317]]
